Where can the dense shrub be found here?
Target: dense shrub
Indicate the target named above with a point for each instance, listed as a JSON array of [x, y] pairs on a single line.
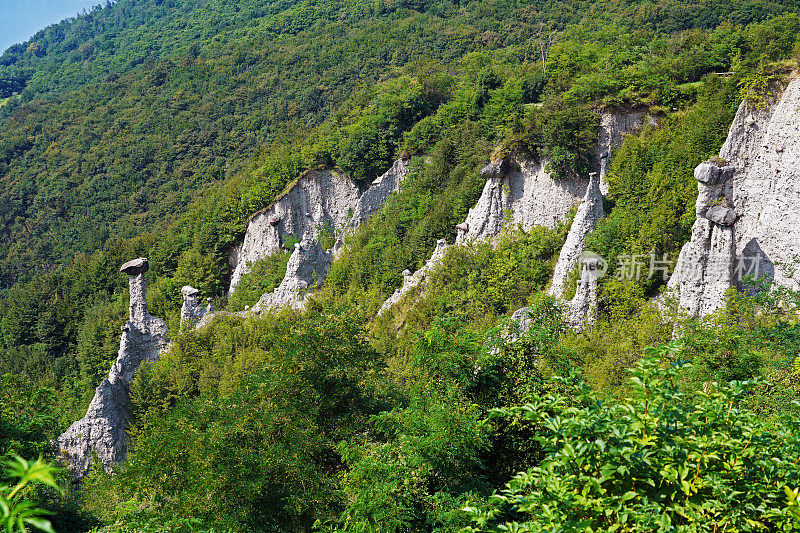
[[659, 460]]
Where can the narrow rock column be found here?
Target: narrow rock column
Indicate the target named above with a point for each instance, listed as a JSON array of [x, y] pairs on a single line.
[[706, 264], [192, 312], [581, 311], [589, 212], [102, 431], [486, 218], [305, 271], [138, 305], [418, 278]]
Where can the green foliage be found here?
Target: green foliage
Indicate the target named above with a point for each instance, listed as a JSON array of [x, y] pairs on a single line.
[[759, 89], [436, 197], [264, 275], [269, 179], [200, 271], [238, 425], [17, 512], [288, 241], [421, 469], [484, 281], [661, 460], [98, 339], [422, 461], [565, 134], [418, 462], [371, 142], [28, 416]]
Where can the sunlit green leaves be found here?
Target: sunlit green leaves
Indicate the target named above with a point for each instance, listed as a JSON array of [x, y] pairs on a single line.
[[663, 459], [17, 512]]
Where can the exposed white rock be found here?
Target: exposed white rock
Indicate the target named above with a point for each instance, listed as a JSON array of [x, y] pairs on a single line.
[[305, 271], [586, 217], [614, 127], [103, 429], [721, 215], [581, 311], [415, 280], [380, 189], [524, 194], [191, 310], [524, 191], [322, 201], [748, 221]]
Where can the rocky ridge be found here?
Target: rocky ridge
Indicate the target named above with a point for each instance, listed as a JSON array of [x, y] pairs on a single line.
[[412, 281], [103, 429], [521, 191], [321, 202], [748, 208]]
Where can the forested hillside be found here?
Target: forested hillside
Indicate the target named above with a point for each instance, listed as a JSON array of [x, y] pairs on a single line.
[[156, 128]]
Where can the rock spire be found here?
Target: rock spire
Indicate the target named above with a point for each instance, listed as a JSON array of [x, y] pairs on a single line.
[[103, 430]]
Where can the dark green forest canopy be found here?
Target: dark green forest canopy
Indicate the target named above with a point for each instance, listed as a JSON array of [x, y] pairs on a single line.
[[120, 36], [128, 111]]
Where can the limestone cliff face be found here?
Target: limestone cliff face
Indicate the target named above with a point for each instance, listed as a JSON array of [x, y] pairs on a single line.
[[321, 201], [523, 192], [748, 208], [103, 429]]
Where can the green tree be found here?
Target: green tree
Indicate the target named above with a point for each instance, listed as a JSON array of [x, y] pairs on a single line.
[[664, 459]]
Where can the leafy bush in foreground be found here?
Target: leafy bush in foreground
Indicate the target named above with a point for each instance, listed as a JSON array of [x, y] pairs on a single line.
[[664, 460], [17, 512]]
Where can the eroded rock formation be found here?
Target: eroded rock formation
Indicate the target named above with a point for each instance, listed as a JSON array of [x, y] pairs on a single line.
[[103, 429], [524, 191], [581, 311], [748, 208], [589, 212], [415, 280], [380, 189], [614, 127], [520, 192], [306, 270], [321, 203], [192, 312]]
